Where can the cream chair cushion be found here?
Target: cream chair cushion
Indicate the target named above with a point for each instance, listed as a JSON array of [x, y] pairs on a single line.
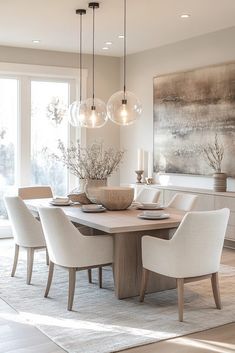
[[194, 250], [148, 195], [68, 247], [183, 201]]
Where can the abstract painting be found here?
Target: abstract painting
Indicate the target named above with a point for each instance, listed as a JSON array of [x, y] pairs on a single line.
[[190, 108]]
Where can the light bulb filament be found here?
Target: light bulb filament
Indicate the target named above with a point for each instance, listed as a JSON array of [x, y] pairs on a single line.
[[124, 111], [93, 116]]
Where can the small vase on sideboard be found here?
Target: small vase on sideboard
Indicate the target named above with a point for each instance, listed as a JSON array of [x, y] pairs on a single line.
[[220, 182]]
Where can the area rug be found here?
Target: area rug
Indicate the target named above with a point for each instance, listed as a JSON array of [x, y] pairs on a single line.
[[100, 323]]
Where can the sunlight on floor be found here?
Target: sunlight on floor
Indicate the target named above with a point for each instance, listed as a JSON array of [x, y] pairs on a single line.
[[210, 346], [36, 319]]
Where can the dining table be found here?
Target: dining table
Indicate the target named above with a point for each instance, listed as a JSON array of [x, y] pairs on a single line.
[[127, 229]]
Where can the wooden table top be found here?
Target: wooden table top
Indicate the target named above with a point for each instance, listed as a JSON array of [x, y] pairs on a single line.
[[113, 221]]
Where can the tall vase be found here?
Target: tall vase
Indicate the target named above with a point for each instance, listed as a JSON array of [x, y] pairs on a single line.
[[78, 194], [92, 189], [220, 182]]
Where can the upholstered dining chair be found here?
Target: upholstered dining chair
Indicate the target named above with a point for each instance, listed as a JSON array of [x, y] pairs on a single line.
[[192, 254], [68, 248], [183, 201], [35, 192], [45, 191], [148, 195], [27, 232]]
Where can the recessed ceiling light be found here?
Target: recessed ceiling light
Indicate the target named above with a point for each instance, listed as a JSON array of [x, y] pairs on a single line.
[[121, 36], [105, 48], [36, 41], [185, 15], [109, 43]]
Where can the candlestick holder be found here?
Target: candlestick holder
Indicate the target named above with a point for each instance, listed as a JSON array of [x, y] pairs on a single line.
[[139, 176]]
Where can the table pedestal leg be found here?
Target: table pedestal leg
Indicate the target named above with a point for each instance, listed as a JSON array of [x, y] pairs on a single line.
[[128, 265]]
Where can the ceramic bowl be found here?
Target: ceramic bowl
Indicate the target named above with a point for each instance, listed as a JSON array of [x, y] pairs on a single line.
[[116, 197]]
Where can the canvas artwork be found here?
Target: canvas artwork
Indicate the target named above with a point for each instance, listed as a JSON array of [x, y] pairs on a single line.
[[190, 108]]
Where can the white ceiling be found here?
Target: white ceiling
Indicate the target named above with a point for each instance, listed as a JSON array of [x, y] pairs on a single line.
[[150, 23]]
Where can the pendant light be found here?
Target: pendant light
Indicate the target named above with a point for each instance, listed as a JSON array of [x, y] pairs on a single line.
[[75, 117], [93, 109], [124, 107]]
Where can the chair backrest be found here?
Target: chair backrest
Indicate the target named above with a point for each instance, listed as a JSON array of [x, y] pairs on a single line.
[[35, 192], [184, 202], [198, 242], [27, 230], [148, 195], [65, 244]]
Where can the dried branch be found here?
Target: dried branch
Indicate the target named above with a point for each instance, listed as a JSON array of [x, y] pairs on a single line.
[[214, 153], [92, 162], [56, 110]]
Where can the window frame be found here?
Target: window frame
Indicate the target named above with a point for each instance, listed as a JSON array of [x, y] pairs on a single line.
[[24, 74]]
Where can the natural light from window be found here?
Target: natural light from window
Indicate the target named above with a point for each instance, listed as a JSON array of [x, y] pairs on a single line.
[[49, 102], [8, 133]]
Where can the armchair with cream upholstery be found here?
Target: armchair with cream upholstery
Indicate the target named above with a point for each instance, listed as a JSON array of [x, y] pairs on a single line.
[[35, 192], [192, 254], [68, 248], [183, 202], [27, 232], [148, 195]]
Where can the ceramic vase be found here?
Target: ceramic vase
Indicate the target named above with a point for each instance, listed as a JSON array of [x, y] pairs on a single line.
[[220, 182], [92, 189]]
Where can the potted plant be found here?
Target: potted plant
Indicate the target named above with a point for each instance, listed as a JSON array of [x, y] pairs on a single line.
[[214, 153], [92, 164]]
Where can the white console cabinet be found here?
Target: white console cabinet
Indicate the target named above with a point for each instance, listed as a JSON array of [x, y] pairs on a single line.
[[207, 200]]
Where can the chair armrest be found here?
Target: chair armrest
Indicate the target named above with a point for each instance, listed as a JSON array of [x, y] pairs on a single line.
[[99, 248], [157, 254]]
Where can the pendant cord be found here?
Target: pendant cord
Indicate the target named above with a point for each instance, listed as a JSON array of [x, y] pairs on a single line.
[[93, 57], [80, 58], [124, 58]]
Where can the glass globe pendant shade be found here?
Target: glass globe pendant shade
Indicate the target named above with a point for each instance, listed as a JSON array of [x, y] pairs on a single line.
[[75, 116], [124, 109], [94, 113]]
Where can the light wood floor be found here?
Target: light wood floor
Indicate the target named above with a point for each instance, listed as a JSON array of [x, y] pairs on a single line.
[[18, 337]]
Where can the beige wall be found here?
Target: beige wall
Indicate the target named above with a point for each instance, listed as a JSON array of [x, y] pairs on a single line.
[[217, 47], [107, 70], [214, 48]]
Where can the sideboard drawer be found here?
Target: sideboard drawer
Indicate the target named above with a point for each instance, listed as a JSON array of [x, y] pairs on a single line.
[[231, 221], [221, 202], [204, 203], [230, 234]]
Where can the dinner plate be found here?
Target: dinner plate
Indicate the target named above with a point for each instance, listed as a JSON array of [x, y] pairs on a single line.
[[93, 210], [61, 204], [154, 217]]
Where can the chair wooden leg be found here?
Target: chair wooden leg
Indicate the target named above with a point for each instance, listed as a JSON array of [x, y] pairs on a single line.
[[89, 275], [215, 288], [180, 288], [47, 258], [100, 277], [72, 280], [30, 256], [144, 282], [49, 279], [16, 256], [113, 272]]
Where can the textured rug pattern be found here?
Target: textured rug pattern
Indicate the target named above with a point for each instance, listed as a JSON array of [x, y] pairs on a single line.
[[100, 323]]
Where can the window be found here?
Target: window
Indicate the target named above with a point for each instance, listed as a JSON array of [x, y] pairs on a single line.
[[33, 100], [49, 102], [8, 132]]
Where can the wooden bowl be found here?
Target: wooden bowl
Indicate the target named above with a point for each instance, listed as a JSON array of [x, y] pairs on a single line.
[[116, 197]]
